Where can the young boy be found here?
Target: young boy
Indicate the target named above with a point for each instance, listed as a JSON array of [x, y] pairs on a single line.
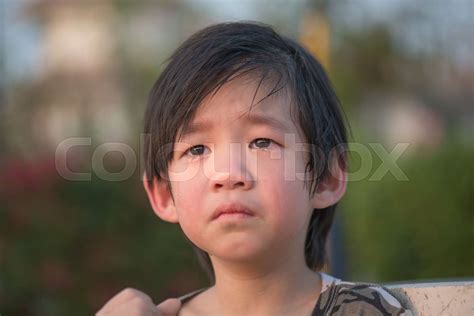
[[247, 153]]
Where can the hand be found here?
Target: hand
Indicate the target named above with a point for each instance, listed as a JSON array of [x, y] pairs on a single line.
[[131, 302]]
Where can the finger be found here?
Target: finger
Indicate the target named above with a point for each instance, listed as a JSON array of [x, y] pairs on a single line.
[[135, 306], [121, 298], [170, 306]]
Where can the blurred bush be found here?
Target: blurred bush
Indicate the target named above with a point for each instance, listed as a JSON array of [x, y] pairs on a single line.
[[416, 229], [67, 247]]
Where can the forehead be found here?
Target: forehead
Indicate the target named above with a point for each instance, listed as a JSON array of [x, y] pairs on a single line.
[[244, 98]]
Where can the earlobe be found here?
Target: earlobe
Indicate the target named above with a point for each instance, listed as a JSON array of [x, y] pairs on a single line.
[[331, 189], [160, 199]]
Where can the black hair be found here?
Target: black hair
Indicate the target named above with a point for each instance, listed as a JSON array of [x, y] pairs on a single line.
[[222, 52]]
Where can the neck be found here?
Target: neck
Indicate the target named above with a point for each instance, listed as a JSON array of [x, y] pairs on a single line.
[[274, 286]]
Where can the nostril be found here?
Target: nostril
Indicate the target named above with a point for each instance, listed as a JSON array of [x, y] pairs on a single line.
[[229, 185]]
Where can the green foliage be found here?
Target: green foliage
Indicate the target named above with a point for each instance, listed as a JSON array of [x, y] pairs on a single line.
[[417, 229], [70, 246]]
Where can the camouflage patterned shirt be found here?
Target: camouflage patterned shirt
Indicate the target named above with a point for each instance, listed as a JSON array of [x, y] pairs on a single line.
[[348, 298]]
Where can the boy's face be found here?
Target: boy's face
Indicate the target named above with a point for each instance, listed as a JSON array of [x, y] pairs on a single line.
[[233, 160]]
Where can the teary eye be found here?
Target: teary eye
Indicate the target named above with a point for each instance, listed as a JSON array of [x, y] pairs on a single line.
[[196, 150], [261, 143]]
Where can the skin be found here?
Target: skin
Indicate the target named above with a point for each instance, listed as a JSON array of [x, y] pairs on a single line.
[[133, 302], [258, 260]]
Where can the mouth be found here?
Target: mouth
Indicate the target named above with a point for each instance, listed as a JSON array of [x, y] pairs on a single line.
[[232, 210]]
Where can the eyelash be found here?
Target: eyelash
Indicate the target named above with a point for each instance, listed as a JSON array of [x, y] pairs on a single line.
[[188, 151]]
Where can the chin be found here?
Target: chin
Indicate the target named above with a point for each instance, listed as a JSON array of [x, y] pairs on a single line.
[[238, 252]]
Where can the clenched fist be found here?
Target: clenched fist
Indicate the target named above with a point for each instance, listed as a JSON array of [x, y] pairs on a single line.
[[131, 302]]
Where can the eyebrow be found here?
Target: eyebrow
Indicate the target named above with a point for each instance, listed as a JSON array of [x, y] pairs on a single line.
[[254, 119]]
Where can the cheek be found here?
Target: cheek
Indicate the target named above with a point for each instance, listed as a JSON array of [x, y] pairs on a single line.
[[183, 171], [287, 212], [289, 167], [189, 206], [188, 197], [283, 189]]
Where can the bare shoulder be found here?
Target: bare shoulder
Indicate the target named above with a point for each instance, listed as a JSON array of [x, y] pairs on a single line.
[[196, 304]]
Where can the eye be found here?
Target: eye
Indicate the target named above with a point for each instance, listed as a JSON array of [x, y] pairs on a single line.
[[261, 143], [196, 151]]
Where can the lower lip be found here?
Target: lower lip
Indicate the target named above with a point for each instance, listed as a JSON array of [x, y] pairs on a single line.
[[236, 215]]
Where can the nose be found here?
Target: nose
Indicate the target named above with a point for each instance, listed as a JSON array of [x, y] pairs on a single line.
[[226, 181], [228, 170]]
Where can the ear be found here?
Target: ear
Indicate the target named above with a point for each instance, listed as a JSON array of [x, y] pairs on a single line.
[[331, 189], [160, 199]]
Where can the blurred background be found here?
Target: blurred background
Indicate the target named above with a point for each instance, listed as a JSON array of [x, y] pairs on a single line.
[[69, 240]]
